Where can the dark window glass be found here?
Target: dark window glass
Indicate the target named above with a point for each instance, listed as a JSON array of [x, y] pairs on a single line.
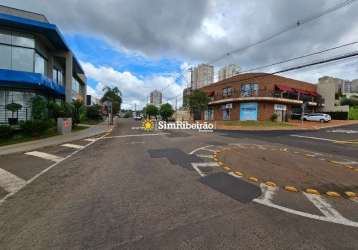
[[22, 59], [23, 40], [5, 57], [5, 37]]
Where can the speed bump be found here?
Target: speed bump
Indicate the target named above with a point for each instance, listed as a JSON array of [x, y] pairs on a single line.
[[350, 194], [333, 194], [270, 184], [238, 173], [226, 168], [291, 189], [254, 179], [312, 191]]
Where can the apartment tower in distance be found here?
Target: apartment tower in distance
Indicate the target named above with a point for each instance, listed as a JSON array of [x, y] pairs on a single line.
[[156, 98], [229, 71], [202, 75]]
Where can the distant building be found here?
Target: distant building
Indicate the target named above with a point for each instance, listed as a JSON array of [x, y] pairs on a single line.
[[331, 89], [229, 71], [202, 75], [91, 100], [156, 98]]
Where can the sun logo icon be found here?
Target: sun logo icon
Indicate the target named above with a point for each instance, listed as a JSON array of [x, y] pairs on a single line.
[[148, 125]]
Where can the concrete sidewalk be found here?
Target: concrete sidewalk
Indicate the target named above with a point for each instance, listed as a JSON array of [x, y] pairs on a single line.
[[91, 131]]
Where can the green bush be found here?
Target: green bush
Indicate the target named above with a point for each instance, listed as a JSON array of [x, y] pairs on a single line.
[[39, 108], [35, 127], [94, 112], [5, 131], [274, 117], [127, 114], [353, 113]]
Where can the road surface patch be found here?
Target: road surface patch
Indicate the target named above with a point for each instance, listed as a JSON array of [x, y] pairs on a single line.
[[235, 188], [221, 158], [10, 182]]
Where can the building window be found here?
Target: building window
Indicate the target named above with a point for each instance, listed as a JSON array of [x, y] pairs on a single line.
[[251, 89], [209, 114], [18, 52], [227, 91], [22, 59], [5, 58], [40, 64], [57, 76]]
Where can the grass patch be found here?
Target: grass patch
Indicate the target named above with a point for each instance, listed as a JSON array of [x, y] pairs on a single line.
[[256, 124], [353, 113], [91, 122], [19, 137], [78, 128]]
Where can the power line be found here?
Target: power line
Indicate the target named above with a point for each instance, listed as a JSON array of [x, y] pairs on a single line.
[[300, 57], [299, 23]]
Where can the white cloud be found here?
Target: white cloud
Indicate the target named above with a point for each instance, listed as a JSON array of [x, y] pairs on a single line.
[[135, 90]]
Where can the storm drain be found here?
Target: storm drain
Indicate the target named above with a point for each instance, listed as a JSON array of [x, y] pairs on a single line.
[[233, 187]]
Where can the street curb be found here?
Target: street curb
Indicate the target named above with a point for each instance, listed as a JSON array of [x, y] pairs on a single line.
[[41, 143]]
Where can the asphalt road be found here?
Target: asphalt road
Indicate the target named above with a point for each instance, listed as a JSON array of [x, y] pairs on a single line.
[[142, 192]]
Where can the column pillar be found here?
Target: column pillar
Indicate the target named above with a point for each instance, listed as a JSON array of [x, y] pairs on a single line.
[[50, 67], [68, 77]]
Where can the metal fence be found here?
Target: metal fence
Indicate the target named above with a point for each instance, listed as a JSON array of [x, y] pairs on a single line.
[[23, 114]]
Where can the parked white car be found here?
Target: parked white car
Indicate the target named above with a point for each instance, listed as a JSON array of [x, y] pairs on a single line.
[[318, 117]]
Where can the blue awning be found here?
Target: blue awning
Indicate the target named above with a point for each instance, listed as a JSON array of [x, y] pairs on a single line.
[[12, 78]]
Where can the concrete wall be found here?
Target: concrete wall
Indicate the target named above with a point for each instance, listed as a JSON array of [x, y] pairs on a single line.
[[22, 13]]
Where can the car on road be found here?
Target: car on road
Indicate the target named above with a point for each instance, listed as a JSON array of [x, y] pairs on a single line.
[[138, 118], [318, 117]]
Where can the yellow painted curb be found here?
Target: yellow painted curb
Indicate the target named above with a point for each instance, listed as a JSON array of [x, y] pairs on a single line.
[[350, 194], [312, 191], [238, 173], [350, 167], [226, 168], [334, 162], [356, 169], [291, 189], [333, 194], [254, 179], [220, 163], [270, 184], [216, 159]]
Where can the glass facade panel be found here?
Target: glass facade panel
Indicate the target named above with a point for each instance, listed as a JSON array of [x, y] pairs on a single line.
[[22, 59], [23, 40], [5, 37], [5, 56], [40, 64]]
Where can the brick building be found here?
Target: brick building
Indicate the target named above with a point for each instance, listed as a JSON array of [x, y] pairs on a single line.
[[256, 96]]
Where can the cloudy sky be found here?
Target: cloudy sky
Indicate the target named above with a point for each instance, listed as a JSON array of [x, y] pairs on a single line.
[[141, 45]]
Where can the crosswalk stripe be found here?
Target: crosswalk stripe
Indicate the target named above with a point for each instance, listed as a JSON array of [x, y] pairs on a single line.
[[45, 156], [204, 156], [90, 139], [324, 206], [68, 145], [10, 182]]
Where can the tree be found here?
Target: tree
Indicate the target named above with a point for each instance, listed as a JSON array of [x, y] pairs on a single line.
[[166, 111], [39, 108], [13, 107], [151, 110], [113, 95], [77, 110], [198, 101], [94, 112]]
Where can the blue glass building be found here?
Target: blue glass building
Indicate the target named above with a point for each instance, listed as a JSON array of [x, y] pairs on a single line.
[[35, 60]]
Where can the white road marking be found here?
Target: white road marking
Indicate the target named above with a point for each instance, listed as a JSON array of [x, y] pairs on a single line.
[[267, 197], [346, 162], [314, 138], [196, 166], [90, 139], [205, 156], [69, 145], [46, 170], [233, 174], [45, 156], [323, 206], [202, 148], [10, 182], [354, 199], [135, 135]]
